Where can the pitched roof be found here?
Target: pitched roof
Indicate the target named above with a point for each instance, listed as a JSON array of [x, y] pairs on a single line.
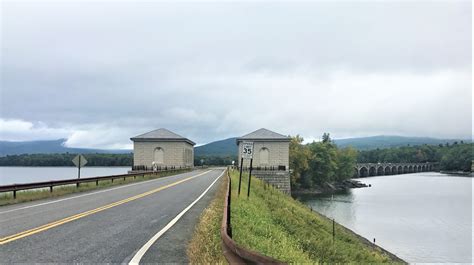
[[264, 135], [161, 134]]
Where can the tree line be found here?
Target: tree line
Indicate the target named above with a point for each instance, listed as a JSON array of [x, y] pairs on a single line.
[[104, 160], [214, 160], [65, 159], [457, 156]]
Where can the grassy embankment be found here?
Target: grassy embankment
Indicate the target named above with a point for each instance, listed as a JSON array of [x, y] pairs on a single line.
[[278, 226], [205, 246], [31, 195]]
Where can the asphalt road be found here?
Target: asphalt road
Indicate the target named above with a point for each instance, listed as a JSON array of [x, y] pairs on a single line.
[[108, 226]]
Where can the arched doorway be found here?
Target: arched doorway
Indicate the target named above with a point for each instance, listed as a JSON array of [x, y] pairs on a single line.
[[264, 153], [159, 156]]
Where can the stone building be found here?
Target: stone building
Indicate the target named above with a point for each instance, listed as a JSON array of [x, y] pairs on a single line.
[[162, 149], [271, 157]]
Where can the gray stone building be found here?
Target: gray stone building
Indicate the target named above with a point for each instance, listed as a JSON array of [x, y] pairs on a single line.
[[162, 148], [271, 157]]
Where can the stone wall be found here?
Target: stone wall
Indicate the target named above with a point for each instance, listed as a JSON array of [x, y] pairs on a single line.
[[174, 153], [279, 179]]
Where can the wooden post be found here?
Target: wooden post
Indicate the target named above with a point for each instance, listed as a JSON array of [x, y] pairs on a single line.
[[250, 177], [240, 176], [333, 230], [79, 169]]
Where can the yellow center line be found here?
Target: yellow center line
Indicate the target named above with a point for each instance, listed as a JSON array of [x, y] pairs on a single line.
[[41, 228]]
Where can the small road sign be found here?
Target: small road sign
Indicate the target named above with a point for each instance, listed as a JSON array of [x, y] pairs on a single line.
[[79, 161], [247, 150]]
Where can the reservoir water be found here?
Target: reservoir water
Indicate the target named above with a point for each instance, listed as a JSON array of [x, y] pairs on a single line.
[[421, 217], [11, 175]]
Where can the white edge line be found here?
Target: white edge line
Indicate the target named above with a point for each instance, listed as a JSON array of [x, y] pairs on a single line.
[[88, 194], [141, 252]]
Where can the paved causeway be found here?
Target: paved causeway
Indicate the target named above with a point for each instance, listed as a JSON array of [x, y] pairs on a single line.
[[145, 222]]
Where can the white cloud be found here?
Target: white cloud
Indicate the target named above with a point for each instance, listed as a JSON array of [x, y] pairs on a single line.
[[351, 69], [20, 130]]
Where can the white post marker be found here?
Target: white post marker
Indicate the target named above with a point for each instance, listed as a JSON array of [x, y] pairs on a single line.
[[141, 252]]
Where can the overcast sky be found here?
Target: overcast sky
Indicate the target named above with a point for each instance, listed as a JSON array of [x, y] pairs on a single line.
[[98, 73]]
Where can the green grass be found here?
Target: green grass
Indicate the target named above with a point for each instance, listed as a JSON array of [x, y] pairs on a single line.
[[278, 226], [37, 194], [205, 246]]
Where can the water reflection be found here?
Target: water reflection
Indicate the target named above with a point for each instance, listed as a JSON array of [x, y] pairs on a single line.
[[421, 217]]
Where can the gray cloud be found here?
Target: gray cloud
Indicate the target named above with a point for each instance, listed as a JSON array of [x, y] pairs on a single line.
[[101, 72]]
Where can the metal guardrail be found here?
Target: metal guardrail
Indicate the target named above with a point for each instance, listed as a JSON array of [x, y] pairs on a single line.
[[53, 183], [234, 253]]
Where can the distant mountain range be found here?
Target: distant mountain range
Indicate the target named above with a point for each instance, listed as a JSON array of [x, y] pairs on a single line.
[[48, 147], [225, 147]]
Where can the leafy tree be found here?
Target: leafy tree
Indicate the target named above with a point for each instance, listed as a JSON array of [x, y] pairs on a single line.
[[299, 155], [346, 160]]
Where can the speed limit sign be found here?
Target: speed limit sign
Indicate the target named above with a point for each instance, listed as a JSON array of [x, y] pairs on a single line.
[[247, 150]]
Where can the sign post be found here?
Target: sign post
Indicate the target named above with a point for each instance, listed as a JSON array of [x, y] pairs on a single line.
[[250, 177], [240, 175], [247, 153], [79, 161]]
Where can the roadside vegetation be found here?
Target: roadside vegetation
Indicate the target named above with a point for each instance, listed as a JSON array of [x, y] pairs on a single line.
[[278, 226], [205, 246], [36, 194]]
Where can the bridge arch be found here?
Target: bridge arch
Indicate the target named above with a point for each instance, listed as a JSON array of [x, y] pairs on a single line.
[[380, 171], [372, 171], [421, 168], [394, 170], [410, 169], [363, 172], [405, 169], [388, 170]]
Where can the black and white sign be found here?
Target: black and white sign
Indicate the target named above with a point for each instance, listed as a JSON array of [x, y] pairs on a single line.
[[247, 150], [79, 161]]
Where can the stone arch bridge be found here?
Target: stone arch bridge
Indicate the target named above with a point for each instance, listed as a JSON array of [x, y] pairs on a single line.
[[378, 169]]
